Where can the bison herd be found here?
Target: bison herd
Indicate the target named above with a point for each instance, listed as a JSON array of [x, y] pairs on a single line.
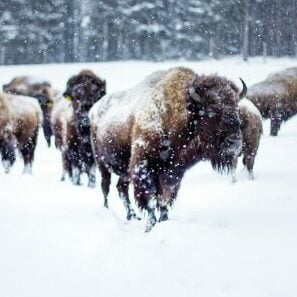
[[148, 135]]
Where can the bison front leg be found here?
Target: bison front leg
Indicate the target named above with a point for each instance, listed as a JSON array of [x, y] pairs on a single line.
[[123, 189], [145, 190], [92, 176], [276, 121], [233, 169], [105, 182], [248, 161], [169, 184]]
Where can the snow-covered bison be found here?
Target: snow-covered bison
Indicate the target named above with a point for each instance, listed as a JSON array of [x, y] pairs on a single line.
[[41, 90], [276, 97], [25, 117], [82, 90], [141, 133], [251, 128]]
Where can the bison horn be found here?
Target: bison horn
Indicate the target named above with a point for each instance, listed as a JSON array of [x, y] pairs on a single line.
[[244, 89]]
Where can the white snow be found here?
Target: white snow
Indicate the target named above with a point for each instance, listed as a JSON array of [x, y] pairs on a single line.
[[118, 107], [24, 105], [221, 239]]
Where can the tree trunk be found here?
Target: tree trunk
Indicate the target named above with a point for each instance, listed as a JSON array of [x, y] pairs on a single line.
[[245, 49], [294, 25]]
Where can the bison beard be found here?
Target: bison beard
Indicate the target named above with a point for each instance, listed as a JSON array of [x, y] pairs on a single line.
[[151, 146]]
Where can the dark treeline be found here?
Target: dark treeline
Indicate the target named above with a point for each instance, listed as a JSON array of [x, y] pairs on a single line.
[[47, 31]]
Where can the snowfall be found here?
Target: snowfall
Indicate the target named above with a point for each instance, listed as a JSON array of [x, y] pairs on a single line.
[[222, 239]]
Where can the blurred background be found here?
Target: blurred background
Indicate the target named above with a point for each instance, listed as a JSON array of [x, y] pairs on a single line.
[[58, 31]]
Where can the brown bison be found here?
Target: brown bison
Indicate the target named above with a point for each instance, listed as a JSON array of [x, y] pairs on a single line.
[[276, 97], [82, 90], [251, 129], [25, 117], [141, 134], [39, 89]]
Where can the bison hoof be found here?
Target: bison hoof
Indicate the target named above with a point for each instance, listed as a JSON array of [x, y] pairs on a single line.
[[234, 180], [92, 184], [132, 215], [251, 175], [7, 166], [163, 216], [151, 222]]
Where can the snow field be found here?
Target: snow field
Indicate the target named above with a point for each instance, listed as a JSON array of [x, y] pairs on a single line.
[[221, 239]]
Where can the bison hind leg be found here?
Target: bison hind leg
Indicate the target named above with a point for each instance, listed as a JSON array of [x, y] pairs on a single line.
[[8, 157], [123, 189], [27, 151]]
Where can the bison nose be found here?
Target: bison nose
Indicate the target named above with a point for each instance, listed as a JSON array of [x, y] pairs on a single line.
[[233, 144], [233, 139]]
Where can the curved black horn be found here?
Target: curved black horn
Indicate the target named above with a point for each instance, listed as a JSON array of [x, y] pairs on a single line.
[[244, 89]]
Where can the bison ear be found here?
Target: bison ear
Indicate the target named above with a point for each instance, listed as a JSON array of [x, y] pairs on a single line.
[[67, 96]]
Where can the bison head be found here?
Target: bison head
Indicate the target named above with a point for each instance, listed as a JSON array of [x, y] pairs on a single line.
[[83, 90], [213, 104]]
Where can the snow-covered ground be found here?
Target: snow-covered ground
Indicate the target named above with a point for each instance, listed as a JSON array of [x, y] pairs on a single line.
[[56, 239]]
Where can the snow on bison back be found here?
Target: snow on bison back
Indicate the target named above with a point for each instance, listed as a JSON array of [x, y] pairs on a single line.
[[141, 133]]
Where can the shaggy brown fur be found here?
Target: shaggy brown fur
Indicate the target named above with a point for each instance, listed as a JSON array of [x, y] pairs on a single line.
[[276, 98], [25, 119], [171, 109], [39, 89], [83, 90], [252, 129]]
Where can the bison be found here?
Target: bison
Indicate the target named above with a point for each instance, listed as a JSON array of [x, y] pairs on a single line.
[[276, 97], [141, 133], [252, 129], [39, 89], [25, 118], [82, 90]]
